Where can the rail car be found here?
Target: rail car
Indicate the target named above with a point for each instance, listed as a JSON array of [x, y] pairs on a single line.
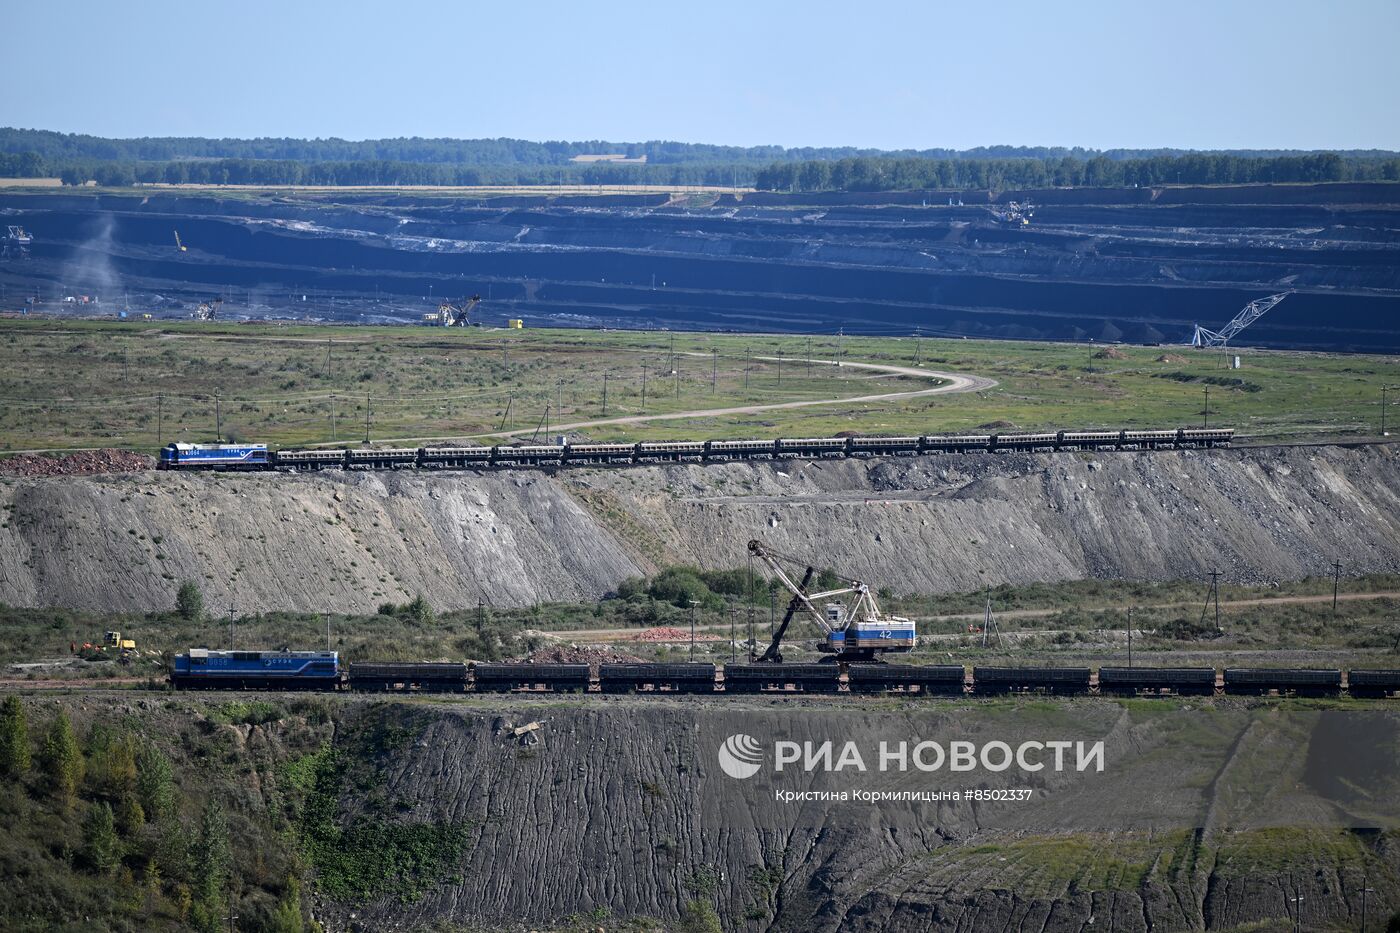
[[183, 456], [1376, 684], [1282, 681], [202, 668], [530, 678], [944, 679], [425, 676], [1157, 681], [1057, 680], [782, 678], [656, 678]]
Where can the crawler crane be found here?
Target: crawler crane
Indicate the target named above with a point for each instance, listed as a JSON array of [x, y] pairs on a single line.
[[860, 633]]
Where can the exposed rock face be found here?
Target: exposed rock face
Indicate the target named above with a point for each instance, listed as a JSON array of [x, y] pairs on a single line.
[[621, 807], [350, 541]]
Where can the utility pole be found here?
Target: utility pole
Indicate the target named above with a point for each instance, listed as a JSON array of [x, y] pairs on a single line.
[[677, 373], [332, 416], [328, 631], [1205, 416], [990, 629], [644, 388], [733, 645], [692, 630], [328, 357], [1364, 891], [1336, 581], [366, 418], [230, 628], [840, 344], [605, 395], [673, 351], [809, 356], [917, 355], [714, 370], [1384, 404], [506, 414], [780, 366], [160, 420], [1213, 593], [559, 402], [218, 417], [1130, 638]]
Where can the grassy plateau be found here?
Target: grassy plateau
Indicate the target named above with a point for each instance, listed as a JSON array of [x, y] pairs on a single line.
[[76, 384]]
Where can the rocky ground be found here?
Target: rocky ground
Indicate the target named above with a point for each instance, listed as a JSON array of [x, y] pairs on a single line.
[[619, 811], [82, 463], [349, 541]]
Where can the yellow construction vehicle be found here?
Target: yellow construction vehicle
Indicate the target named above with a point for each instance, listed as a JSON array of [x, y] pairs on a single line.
[[115, 640], [125, 647]]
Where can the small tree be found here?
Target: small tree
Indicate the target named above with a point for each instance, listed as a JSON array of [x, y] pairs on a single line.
[[101, 849], [155, 787], [14, 738], [286, 917], [189, 601], [62, 761], [211, 856]]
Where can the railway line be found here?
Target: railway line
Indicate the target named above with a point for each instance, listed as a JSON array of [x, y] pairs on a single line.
[[234, 457], [203, 669]]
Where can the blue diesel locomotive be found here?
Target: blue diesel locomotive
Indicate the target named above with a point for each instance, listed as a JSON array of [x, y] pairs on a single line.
[[214, 457], [201, 668]]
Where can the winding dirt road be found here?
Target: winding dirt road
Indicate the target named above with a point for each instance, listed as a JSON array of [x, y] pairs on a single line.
[[947, 384]]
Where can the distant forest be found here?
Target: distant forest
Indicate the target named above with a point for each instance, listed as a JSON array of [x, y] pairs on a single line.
[[194, 160]]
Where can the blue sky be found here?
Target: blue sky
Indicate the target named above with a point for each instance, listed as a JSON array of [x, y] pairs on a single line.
[[1193, 74]]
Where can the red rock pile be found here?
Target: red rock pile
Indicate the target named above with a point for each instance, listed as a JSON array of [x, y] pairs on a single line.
[[578, 654], [106, 460], [667, 633]]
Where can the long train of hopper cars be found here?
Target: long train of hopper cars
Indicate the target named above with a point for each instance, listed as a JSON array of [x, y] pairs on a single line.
[[259, 457], [202, 668]]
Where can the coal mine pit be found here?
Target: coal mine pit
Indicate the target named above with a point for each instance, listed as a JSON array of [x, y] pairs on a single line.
[[1134, 265]]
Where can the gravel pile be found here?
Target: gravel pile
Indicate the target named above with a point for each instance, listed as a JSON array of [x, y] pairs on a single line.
[[106, 460]]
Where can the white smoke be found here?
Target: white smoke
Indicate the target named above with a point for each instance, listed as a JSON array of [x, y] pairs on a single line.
[[90, 271]]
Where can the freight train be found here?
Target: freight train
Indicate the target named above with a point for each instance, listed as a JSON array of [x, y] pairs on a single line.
[[202, 668], [506, 456]]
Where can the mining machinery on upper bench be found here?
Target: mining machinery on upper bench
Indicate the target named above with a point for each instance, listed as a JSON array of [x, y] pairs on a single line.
[[455, 315], [858, 633], [1251, 312], [208, 310], [16, 243]]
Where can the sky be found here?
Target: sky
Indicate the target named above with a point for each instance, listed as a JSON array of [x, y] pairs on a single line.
[[1198, 74]]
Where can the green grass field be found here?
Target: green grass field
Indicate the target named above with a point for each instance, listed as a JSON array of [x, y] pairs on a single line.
[[72, 384]]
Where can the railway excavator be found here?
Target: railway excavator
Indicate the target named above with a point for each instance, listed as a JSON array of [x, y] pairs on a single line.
[[859, 633]]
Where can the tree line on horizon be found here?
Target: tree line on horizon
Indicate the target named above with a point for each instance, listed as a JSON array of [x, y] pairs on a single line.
[[857, 174], [117, 163], [60, 148]]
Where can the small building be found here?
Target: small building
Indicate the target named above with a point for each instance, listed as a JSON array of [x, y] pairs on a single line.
[[516, 323]]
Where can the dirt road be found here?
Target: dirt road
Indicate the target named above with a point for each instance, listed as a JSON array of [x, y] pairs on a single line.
[[947, 384]]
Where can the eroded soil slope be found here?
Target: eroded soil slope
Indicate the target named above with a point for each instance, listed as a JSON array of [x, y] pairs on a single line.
[[350, 541]]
